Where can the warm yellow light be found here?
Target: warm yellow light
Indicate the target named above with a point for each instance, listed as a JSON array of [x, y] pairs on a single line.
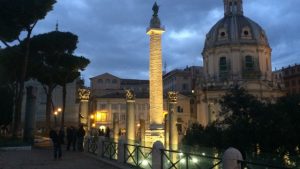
[[165, 113], [92, 116], [101, 116], [55, 113], [93, 125], [59, 109], [138, 125], [102, 128]]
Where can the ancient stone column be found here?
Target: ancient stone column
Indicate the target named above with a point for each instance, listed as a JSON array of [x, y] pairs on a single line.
[[130, 117], [116, 127], [30, 111], [142, 129], [167, 131], [84, 96], [173, 132], [156, 130]]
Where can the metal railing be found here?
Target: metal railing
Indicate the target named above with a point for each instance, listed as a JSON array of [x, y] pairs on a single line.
[[183, 160], [92, 145], [110, 150], [138, 156], [141, 157]]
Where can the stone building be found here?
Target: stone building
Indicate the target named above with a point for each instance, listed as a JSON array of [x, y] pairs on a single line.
[[236, 52], [291, 78], [108, 101], [71, 109], [182, 80]]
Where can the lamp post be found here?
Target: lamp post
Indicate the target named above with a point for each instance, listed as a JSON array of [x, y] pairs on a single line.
[[55, 115], [55, 118]]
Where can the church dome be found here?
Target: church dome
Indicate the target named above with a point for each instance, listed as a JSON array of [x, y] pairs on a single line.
[[235, 28]]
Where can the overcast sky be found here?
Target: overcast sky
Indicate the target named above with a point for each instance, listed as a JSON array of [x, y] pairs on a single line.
[[112, 33]]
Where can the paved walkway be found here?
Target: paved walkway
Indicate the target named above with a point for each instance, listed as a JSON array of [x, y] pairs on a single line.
[[42, 158]]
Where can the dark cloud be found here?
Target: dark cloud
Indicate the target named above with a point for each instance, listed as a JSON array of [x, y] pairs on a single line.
[[112, 33]]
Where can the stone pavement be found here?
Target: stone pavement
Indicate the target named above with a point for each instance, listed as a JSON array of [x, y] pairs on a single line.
[[42, 158]]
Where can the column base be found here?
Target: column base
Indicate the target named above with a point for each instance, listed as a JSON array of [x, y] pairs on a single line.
[[153, 135]]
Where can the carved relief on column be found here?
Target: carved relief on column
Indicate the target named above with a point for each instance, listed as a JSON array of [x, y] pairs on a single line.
[[172, 97], [130, 96], [84, 94]]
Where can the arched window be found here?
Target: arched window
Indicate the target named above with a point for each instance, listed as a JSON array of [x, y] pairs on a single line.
[[249, 63], [223, 64]]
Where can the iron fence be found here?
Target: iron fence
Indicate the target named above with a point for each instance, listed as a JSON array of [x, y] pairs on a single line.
[[183, 160], [92, 145], [138, 156], [110, 150], [141, 157]]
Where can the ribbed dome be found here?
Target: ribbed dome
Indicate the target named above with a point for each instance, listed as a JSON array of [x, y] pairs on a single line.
[[235, 29]]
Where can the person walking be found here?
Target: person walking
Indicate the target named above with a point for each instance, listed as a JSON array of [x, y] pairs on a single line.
[[56, 138], [80, 136], [62, 135], [69, 137], [74, 137]]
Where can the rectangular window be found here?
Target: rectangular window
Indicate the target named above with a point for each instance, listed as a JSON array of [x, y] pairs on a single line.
[[123, 106], [103, 106], [123, 117], [114, 106]]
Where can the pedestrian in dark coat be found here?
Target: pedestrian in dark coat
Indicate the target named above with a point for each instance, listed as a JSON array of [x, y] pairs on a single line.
[[80, 136], [56, 140], [74, 139], [69, 137]]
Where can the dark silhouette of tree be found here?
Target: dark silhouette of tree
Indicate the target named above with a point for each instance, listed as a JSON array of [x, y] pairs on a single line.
[[68, 72], [16, 17], [55, 64], [249, 124]]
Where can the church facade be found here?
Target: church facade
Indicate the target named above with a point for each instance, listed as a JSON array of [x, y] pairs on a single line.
[[236, 52]]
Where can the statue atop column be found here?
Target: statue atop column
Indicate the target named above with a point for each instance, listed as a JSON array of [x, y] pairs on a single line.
[[155, 9], [155, 21]]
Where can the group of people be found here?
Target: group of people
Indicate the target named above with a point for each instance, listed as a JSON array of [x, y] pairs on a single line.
[[74, 138]]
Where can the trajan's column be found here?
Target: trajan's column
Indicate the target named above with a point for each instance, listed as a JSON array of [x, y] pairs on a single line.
[[155, 32]]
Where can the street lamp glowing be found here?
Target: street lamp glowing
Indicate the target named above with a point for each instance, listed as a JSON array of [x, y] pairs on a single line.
[[92, 116], [93, 125], [59, 109], [55, 113]]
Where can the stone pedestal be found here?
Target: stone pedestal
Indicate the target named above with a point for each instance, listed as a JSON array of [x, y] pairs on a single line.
[[231, 158], [156, 155], [30, 114], [153, 135]]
